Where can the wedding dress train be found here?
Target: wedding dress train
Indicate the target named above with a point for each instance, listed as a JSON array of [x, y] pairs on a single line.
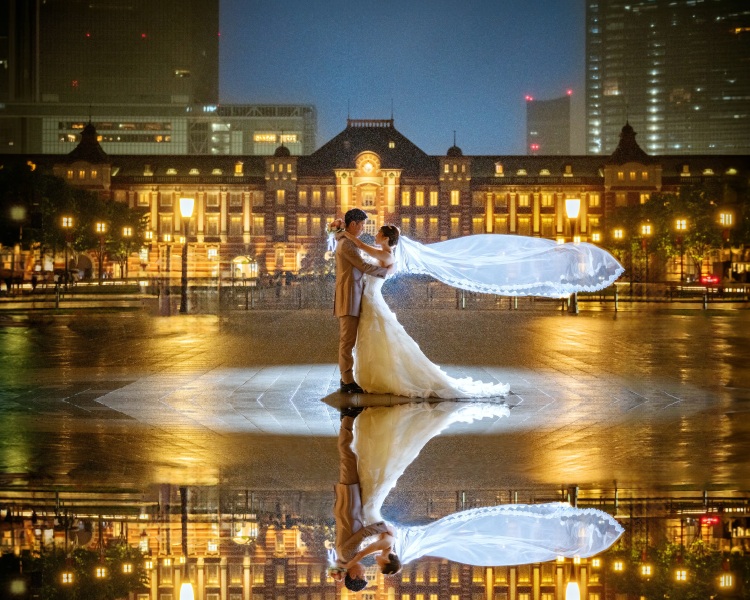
[[388, 361], [388, 439]]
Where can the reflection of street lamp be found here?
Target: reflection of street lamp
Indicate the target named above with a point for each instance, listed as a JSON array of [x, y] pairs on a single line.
[[572, 208], [186, 588], [680, 226], [67, 225], [186, 212], [101, 230]]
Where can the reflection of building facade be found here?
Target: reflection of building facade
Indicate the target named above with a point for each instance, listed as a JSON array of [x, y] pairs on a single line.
[[273, 210], [676, 70], [285, 559], [548, 126]]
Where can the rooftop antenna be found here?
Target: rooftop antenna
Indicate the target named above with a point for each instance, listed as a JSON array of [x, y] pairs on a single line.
[[348, 110], [89, 113], [454, 137], [391, 109]]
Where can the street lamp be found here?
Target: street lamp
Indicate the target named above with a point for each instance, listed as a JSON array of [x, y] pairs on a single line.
[[680, 226], [646, 232], [167, 238], [67, 225], [101, 230], [127, 233], [572, 208], [186, 212], [18, 216]]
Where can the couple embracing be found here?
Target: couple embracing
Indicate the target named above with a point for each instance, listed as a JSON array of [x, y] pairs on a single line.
[[376, 355]]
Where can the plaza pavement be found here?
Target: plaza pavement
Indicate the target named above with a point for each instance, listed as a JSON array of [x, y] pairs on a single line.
[[652, 401]]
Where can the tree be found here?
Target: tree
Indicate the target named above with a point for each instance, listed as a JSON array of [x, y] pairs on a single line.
[[42, 573], [46, 199]]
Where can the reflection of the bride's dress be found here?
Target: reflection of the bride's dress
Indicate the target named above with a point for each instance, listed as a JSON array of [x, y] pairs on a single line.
[[388, 439]]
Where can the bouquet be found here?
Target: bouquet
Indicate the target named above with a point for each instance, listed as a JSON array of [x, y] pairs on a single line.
[[334, 227]]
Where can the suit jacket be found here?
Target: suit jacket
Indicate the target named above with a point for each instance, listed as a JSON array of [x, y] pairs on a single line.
[[349, 527], [350, 266]]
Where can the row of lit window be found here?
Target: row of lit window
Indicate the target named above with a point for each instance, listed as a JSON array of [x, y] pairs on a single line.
[[105, 126], [273, 138], [500, 171], [428, 227]]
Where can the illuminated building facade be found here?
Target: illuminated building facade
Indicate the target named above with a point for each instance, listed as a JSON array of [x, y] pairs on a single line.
[[677, 71], [271, 212], [548, 126]]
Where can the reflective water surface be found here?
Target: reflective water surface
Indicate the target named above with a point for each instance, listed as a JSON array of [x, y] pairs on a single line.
[[641, 413]]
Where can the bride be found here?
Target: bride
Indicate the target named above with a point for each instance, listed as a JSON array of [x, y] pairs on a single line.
[[386, 359]]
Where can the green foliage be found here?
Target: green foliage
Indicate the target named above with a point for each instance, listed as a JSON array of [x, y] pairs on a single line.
[[42, 574], [47, 199], [699, 207]]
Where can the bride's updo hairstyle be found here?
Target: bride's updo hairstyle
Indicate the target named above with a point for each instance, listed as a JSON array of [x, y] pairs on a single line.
[[392, 233]]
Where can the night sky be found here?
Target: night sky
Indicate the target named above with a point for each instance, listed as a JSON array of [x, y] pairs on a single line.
[[445, 65]]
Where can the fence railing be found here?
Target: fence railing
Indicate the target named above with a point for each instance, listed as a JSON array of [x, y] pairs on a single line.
[[211, 296]]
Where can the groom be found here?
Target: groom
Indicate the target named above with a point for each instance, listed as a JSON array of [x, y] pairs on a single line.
[[348, 295], [350, 529]]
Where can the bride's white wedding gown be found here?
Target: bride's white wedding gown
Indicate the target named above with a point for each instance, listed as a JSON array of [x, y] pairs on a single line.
[[388, 439], [388, 361]]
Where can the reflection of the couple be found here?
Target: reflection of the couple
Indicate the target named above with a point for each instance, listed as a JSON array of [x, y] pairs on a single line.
[[377, 444], [351, 530]]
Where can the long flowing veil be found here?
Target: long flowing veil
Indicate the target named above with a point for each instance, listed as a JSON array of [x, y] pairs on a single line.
[[387, 439], [511, 534], [511, 265]]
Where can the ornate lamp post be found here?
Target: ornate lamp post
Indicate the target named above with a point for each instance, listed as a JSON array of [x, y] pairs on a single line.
[[572, 208], [67, 225], [726, 221], [680, 226], [167, 238], [186, 212], [127, 233], [646, 232], [18, 216], [101, 231]]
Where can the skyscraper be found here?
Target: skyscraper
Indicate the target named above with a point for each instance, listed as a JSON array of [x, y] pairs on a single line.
[[110, 51], [548, 125], [679, 72]]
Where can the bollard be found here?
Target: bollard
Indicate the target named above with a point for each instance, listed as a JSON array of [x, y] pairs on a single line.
[[57, 295], [617, 301], [515, 302], [705, 300]]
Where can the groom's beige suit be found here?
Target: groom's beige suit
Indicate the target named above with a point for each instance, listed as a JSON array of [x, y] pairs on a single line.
[[350, 268]]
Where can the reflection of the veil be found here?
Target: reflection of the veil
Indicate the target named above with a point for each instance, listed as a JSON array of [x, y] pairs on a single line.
[[387, 439]]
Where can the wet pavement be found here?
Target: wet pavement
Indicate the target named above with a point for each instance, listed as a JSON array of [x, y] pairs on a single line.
[[652, 401]]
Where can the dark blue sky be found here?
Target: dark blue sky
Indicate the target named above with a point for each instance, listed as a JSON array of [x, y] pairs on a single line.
[[446, 65]]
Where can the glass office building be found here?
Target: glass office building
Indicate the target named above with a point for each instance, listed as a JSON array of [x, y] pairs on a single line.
[[677, 71]]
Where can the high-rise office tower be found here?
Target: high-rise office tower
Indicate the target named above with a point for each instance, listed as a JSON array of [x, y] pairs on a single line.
[[110, 51], [678, 71], [548, 125]]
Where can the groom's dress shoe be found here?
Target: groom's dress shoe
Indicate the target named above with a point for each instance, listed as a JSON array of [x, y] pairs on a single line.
[[351, 411], [351, 388]]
